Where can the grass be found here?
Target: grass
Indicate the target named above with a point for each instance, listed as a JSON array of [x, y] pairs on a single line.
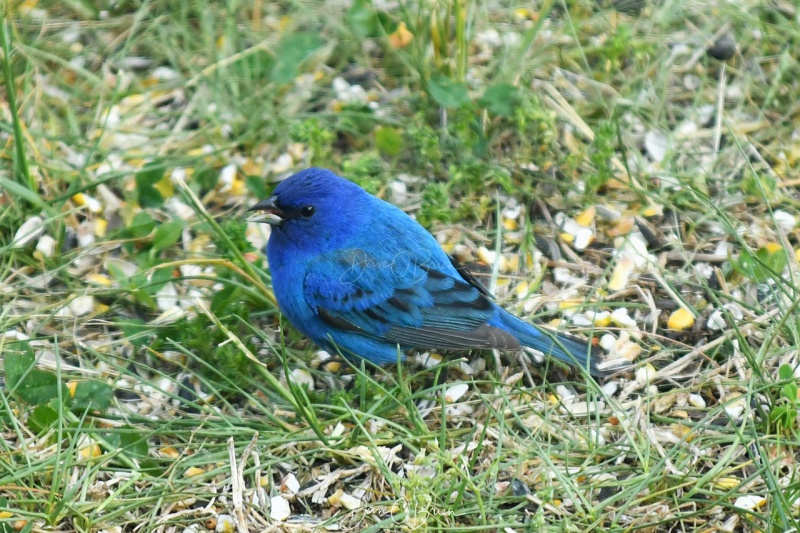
[[150, 383]]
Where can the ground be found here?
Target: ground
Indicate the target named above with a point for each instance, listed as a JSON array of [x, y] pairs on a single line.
[[625, 170]]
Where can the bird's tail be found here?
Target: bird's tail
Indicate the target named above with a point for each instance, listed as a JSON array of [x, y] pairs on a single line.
[[566, 348]]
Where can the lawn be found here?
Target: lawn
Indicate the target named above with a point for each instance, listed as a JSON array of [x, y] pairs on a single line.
[[626, 170]]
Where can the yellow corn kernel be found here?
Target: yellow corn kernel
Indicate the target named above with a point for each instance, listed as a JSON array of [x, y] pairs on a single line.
[[98, 279], [602, 321], [238, 187], [571, 303], [522, 289], [170, 451], [90, 452], [401, 37], [773, 247], [586, 217], [680, 319], [623, 227], [622, 274], [100, 227], [681, 431], [512, 265], [651, 211], [333, 366], [194, 471]]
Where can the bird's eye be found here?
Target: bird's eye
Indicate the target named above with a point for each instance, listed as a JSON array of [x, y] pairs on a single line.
[[307, 211]]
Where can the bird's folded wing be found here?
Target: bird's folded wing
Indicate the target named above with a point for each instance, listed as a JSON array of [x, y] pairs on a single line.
[[401, 300]]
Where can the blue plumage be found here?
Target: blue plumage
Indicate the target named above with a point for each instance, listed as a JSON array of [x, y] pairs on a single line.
[[357, 274]]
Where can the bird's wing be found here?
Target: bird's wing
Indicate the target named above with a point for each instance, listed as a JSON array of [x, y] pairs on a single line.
[[402, 301]]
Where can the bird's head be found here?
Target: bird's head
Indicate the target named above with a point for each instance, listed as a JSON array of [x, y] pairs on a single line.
[[314, 205]]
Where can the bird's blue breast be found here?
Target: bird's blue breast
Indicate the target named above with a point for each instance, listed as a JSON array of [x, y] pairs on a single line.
[[288, 267]]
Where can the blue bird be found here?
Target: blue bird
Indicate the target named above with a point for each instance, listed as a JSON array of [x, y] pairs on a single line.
[[357, 275]]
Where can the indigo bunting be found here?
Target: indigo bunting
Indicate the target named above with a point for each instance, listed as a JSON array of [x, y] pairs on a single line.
[[356, 274]]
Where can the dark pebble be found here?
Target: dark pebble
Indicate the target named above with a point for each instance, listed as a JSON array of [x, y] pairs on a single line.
[[723, 48], [518, 488]]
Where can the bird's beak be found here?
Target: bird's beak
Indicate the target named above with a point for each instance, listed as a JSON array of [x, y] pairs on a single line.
[[267, 211]]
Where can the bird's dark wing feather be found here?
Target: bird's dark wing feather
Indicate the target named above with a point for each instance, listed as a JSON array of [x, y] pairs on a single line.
[[469, 277], [402, 301]]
